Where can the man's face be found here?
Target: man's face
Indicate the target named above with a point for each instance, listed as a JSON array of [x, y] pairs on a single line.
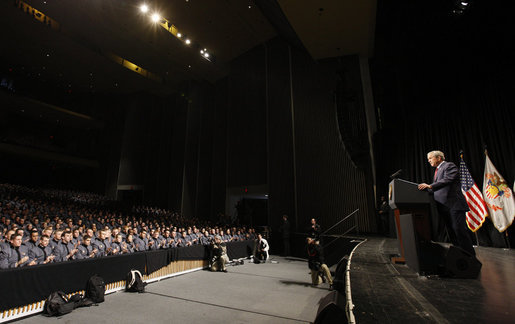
[[434, 160], [87, 242], [67, 237], [44, 241], [34, 237], [16, 241], [313, 221]]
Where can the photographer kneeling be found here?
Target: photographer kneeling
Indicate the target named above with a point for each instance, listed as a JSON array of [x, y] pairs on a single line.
[[261, 250], [316, 263], [218, 255]]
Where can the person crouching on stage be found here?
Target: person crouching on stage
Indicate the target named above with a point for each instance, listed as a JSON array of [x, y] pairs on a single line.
[[316, 263], [218, 252], [262, 248]]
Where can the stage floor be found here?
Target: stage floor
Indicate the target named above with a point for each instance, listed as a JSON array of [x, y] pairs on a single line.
[[250, 293], [386, 293]]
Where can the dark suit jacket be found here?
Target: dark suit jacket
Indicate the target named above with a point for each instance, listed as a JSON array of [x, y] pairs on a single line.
[[447, 187]]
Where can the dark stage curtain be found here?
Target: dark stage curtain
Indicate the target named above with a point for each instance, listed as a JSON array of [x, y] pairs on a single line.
[[467, 123]]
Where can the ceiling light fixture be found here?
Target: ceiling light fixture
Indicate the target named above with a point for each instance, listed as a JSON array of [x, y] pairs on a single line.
[[155, 17], [187, 41], [179, 35], [143, 8]]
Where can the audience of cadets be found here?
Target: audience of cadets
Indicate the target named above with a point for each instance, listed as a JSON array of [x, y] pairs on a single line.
[[39, 226]]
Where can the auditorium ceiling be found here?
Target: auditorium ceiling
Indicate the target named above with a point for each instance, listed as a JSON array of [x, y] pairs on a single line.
[[111, 46]]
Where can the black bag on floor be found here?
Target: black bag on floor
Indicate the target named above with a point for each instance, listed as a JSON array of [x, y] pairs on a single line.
[[95, 289], [54, 302], [134, 282]]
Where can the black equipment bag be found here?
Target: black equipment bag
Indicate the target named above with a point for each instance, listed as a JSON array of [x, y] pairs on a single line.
[[134, 282], [53, 302], [95, 289]]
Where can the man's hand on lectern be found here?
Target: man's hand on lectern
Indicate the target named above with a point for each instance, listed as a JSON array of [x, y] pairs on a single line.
[[424, 186]]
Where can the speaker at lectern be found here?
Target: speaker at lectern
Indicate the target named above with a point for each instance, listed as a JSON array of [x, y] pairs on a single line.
[[412, 219]]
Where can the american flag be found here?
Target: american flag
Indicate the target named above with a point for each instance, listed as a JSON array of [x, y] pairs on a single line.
[[478, 212]]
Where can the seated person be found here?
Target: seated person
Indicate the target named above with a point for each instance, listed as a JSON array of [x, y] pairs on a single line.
[[42, 253], [16, 255], [85, 249]]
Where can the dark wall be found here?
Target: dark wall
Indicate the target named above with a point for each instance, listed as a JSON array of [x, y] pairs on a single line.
[[281, 175], [246, 120], [329, 186], [282, 131]]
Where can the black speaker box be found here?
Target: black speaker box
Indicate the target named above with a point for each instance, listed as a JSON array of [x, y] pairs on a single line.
[[332, 309], [461, 264], [339, 275]]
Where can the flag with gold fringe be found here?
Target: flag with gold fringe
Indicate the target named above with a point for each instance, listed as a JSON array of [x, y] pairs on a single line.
[[498, 197]]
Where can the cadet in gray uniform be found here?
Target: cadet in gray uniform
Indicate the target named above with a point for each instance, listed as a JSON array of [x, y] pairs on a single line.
[[85, 249], [33, 241], [68, 249], [102, 244], [42, 253], [16, 255]]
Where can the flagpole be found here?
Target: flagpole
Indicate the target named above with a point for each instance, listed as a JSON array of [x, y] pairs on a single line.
[[477, 239]]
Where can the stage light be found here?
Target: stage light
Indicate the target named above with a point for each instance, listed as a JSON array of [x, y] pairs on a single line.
[[206, 54], [201, 51], [179, 35], [155, 17], [463, 3], [143, 8], [187, 41]]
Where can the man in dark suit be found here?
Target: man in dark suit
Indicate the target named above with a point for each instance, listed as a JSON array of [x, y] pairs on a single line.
[[450, 201], [285, 231]]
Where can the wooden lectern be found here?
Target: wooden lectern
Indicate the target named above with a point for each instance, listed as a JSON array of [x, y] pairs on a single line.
[[406, 200]]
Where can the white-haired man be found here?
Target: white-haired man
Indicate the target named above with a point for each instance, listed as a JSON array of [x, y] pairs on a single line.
[[450, 201]]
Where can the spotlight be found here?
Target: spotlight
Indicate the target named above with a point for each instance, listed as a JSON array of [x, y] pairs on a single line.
[[206, 54], [201, 51], [155, 17], [464, 3], [179, 35], [187, 41], [143, 8]]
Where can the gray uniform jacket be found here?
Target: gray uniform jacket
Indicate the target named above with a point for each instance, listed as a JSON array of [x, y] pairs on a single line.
[[11, 255]]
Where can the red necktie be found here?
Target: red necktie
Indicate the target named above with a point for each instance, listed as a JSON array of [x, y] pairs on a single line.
[[436, 171]]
